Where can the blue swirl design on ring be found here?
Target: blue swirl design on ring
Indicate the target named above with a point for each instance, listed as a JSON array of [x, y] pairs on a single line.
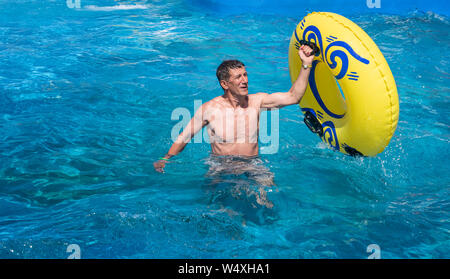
[[310, 110], [312, 33], [343, 56], [329, 135], [315, 91], [314, 36]]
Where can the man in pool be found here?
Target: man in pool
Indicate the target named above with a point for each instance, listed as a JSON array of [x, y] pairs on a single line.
[[233, 118]]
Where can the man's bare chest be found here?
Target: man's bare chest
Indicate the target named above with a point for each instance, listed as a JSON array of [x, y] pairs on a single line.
[[238, 125]]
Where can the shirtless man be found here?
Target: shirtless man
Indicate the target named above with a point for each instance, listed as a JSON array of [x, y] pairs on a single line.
[[233, 118]]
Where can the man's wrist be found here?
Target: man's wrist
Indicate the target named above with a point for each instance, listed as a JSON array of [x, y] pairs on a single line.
[[166, 157], [306, 66]]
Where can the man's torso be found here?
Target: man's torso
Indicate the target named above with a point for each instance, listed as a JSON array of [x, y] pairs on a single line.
[[233, 131]]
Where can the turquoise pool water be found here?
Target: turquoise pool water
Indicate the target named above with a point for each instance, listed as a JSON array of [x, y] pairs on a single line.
[[86, 99]]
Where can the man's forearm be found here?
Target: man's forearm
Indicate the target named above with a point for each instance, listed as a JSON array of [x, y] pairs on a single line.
[[299, 87], [175, 149], [194, 126]]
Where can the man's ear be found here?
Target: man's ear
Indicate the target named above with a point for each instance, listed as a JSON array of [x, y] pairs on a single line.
[[224, 84]]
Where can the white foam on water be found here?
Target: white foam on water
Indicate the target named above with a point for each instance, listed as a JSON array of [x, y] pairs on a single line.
[[115, 8]]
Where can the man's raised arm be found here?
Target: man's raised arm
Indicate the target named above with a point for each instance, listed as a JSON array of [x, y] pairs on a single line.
[[295, 94]]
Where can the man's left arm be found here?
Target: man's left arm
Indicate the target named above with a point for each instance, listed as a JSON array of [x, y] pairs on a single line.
[[295, 94]]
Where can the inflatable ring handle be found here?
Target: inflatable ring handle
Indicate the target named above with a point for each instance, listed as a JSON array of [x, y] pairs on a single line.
[[313, 123], [313, 46]]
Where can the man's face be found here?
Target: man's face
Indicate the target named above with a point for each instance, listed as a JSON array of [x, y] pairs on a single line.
[[238, 82]]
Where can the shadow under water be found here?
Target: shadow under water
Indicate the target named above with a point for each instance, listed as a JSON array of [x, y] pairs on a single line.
[[240, 186]]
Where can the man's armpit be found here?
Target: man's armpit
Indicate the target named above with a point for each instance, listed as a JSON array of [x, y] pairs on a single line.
[[260, 98]]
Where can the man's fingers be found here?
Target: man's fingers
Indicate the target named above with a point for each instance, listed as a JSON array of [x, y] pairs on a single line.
[[158, 167], [307, 51]]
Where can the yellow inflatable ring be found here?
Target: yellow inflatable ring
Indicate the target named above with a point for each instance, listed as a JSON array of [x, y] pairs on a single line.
[[351, 100]]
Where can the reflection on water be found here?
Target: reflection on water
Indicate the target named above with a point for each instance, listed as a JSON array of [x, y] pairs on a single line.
[[240, 184]]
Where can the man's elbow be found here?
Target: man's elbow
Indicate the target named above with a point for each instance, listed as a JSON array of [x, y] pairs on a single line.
[[294, 98], [183, 138]]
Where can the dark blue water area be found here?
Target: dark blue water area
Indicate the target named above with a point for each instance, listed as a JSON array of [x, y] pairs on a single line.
[[344, 7], [88, 98]]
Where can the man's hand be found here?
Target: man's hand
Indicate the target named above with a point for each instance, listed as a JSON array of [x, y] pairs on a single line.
[[298, 89], [159, 165], [306, 55]]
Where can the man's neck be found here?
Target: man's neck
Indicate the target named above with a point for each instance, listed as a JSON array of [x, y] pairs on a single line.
[[236, 101]]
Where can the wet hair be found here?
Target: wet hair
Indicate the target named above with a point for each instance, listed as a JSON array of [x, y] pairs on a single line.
[[223, 71]]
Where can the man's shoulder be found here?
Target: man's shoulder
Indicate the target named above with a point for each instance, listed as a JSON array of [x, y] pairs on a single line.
[[218, 102], [257, 95], [213, 102], [212, 105], [256, 98]]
